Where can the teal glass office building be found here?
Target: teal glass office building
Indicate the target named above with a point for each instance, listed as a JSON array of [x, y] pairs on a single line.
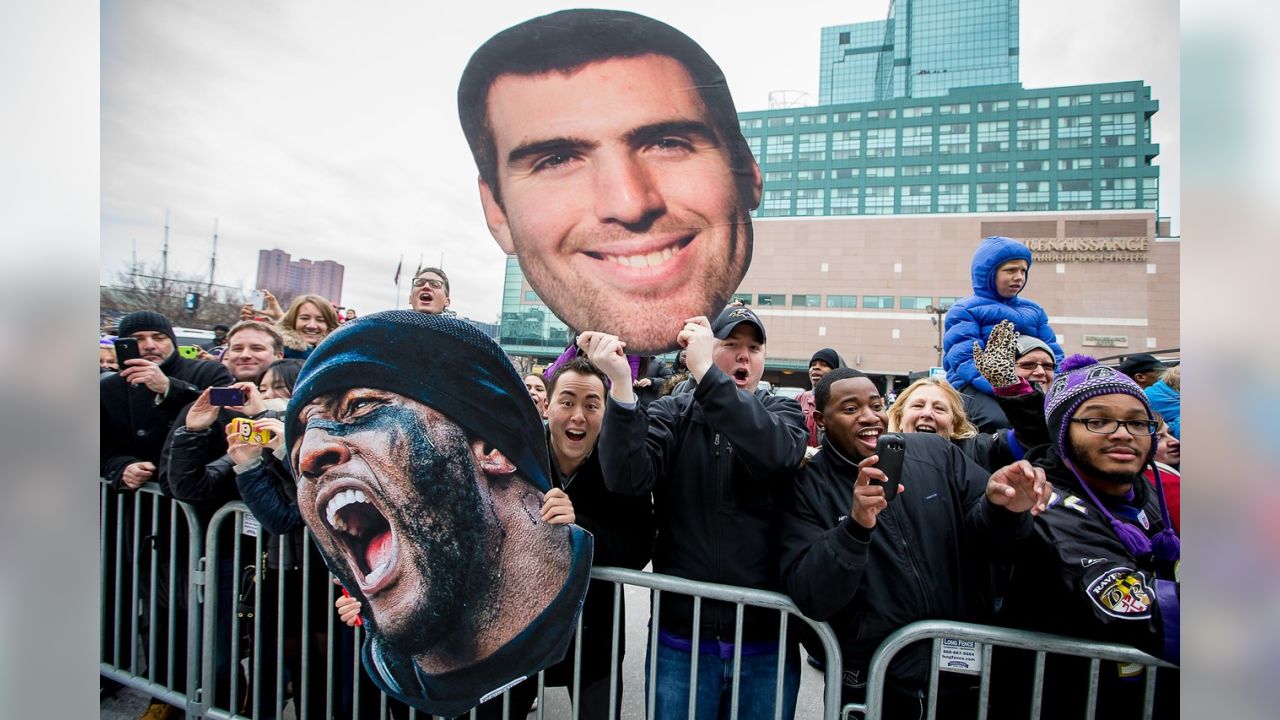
[[924, 48], [922, 113]]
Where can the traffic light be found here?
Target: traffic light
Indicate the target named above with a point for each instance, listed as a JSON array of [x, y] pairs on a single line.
[[192, 303]]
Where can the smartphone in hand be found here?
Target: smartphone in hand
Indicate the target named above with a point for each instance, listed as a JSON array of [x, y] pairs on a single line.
[[259, 300], [890, 449], [126, 349], [228, 396], [190, 352]]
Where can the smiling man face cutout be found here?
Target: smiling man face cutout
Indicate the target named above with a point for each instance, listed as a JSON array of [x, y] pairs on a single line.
[[612, 165]]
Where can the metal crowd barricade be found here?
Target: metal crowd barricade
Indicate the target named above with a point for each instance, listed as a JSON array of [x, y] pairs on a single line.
[[741, 597], [265, 696], [1043, 644], [142, 535], [134, 538]]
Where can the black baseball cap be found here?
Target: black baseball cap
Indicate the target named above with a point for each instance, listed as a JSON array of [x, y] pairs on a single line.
[[1142, 362], [730, 317]]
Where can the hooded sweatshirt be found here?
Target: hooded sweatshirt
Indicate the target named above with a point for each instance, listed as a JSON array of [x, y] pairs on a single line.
[[973, 317]]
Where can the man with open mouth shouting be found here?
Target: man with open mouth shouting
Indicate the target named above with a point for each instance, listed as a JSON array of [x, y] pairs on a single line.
[[422, 476]]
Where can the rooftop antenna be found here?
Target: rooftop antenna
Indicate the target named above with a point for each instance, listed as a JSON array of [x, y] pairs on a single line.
[[133, 265]]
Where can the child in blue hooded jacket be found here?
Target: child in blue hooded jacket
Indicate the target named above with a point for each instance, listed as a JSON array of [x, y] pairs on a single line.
[[1000, 268]]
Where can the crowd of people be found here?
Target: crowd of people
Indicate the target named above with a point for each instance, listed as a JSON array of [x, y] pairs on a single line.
[[1057, 511], [1026, 489]]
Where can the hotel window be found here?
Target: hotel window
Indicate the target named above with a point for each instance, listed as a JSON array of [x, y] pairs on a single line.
[[846, 144], [811, 175], [776, 202], [881, 142], [842, 301], [1118, 193], [751, 123], [1032, 195], [771, 299], [1075, 195], [744, 298], [777, 176], [879, 302], [993, 197], [959, 109], [946, 302], [914, 302], [1033, 166], [913, 112], [1075, 126], [754, 144], [845, 173], [1075, 164], [806, 301], [993, 167], [953, 198], [953, 139], [1115, 97], [531, 296], [813, 119], [847, 117], [916, 198], [809, 201], [813, 146], [881, 171], [1126, 161], [844, 201], [878, 200], [993, 106], [781, 121], [1074, 100], [882, 114], [1028, 103], [1117, 140], [1075, 143], [779, 148], [915, 170], [954, 169], [993, 136]]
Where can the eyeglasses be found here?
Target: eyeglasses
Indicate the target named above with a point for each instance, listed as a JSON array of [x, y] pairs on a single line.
[[1106, 426], [434, 283], [1031, 365]]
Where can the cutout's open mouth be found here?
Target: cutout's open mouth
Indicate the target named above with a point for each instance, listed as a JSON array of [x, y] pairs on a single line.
[[365, 534]]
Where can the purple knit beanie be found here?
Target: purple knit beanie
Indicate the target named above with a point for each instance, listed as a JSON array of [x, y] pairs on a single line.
[[1079, 378]]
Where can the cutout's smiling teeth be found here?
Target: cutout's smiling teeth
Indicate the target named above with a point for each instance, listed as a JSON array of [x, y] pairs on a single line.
[[653, 259]]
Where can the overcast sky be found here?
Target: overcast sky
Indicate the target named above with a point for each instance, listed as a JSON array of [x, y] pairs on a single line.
[[329, 129]]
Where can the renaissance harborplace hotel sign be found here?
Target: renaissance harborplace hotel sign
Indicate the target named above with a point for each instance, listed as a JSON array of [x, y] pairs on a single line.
[[1089, 249]]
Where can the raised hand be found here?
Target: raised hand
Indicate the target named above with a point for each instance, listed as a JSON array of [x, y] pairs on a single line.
[[1020, 487], [996, 362]]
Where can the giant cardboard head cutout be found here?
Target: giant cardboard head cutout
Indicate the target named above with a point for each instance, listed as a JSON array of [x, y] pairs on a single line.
[[612, 165], [421, 466]]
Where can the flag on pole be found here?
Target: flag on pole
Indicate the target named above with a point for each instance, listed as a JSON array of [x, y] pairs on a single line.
[[398, 266]]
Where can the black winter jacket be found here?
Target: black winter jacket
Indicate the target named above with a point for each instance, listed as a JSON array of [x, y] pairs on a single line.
[[995, 449], [133, 426], [926, 558], [1075, 577], [716, 460], [622, 526]]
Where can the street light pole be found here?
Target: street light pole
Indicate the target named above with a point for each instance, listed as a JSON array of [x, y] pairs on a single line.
[[935, 316]]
